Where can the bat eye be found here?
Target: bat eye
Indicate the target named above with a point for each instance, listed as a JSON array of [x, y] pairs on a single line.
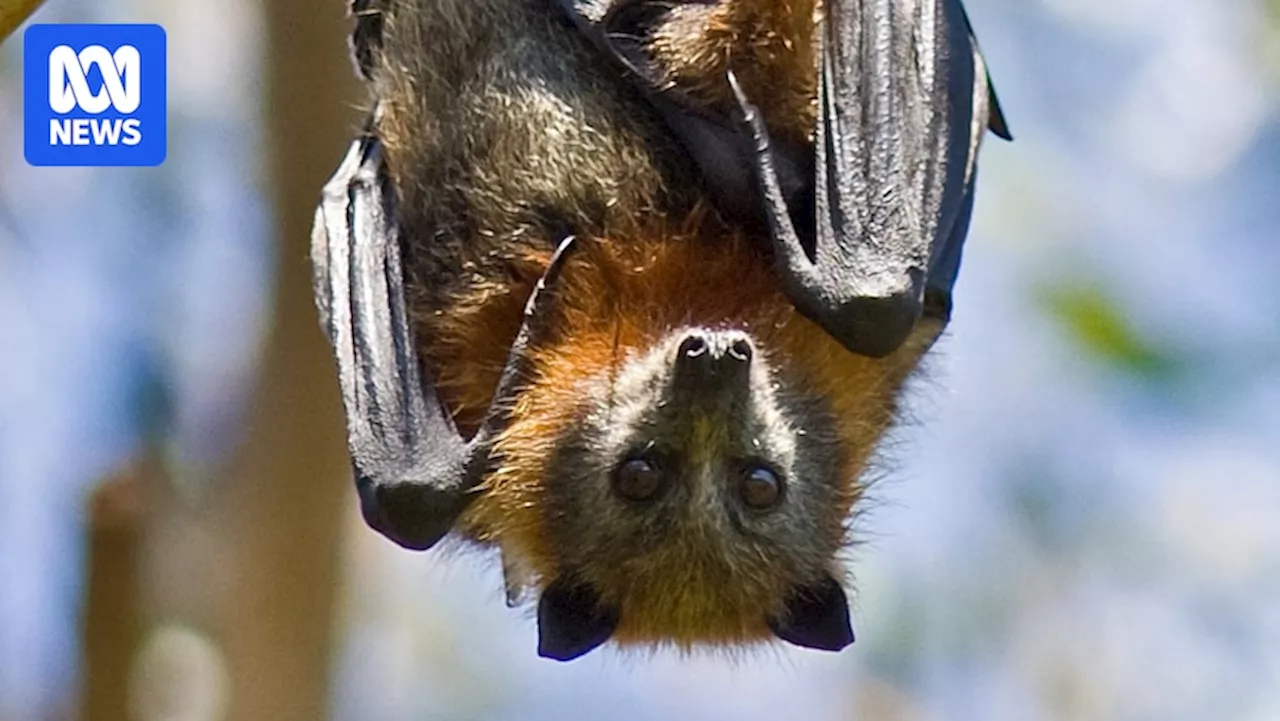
[[638, 480], [760, 488]]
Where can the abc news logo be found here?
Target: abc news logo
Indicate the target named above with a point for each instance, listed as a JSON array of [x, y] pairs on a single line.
[[69, 89], [95, 95]]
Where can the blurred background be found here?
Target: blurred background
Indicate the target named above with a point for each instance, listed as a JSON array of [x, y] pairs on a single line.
[[1082, 522]]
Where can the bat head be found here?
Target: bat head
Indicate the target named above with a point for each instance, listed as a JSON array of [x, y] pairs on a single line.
[[683, 467], [692, 504]]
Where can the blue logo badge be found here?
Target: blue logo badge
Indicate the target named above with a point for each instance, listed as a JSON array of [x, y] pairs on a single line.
[[94, 94]]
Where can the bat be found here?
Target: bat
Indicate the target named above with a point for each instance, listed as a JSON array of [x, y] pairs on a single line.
[[630, 290]]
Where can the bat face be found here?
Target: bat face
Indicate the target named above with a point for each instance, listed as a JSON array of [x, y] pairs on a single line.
[[691, 503], [683, 467]]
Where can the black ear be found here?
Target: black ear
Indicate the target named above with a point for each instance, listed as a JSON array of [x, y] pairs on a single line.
[[817, 617], [572, 621]]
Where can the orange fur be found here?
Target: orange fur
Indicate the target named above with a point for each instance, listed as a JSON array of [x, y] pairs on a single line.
[[769, 45], [620, 296]]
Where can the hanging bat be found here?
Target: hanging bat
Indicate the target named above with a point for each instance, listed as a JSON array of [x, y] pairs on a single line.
[[629, 290]]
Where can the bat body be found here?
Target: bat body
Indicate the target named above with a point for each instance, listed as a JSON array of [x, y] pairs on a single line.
[[609, 291]]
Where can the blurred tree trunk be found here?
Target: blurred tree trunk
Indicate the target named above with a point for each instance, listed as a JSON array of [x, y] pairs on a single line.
[[280, 515], [14, 12], [113, 623]]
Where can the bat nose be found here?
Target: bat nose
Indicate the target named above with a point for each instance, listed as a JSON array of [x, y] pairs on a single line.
[[713, 356]]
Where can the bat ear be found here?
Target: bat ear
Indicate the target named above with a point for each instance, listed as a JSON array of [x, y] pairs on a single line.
[[572, 621], [817, 617]]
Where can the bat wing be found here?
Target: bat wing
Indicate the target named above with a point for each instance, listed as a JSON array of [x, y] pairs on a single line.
[[408, 458], [413, 470], [884, 196], [900, 86]]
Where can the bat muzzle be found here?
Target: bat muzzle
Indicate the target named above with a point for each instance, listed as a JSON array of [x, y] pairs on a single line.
[[712, 366]]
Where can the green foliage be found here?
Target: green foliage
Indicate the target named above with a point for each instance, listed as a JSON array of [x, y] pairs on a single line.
[[1270, 50], [1099, 327]]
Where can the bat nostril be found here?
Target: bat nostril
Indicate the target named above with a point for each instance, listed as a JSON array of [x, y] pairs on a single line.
[[710, 363], [694, 345], [710, 349]]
